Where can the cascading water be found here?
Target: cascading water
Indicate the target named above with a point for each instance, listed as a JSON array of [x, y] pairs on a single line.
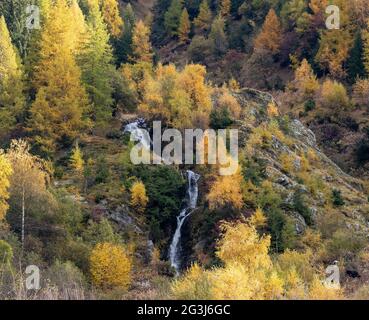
[[135, 128], [192, 195]]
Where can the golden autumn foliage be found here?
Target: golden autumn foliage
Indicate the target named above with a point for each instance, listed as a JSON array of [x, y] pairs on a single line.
[[110, 266], [112, 18], [76, 160], [258, 219], [305, 83], [230, 103], [333, 95], [203, 21], [360, 95], [272, 110], [249, 273], [5, 173], [270, 37], [139, 198], [226, 192], [335, 44], [11, 87], [184, 27], [225, 8], [58, 111], [141, 46], [179, 98]]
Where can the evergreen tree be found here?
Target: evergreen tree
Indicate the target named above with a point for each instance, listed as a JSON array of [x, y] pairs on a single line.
[[11, 87], [184, 26], [15, 15], [172, 17], [123, 45], [218, 36], [355, 63], [203, 20], [96, 61], [141, 46], [57, 114]]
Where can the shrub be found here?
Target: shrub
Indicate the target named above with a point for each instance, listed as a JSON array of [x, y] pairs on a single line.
[[6, 253], [333, 95], [110, 266], [220, 119], [337, 199], [360, 95], [309, 105], [362, 152], [301, 208]]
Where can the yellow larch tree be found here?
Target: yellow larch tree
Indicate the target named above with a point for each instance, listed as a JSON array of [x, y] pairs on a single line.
[[184, 26], [5, 173], [111, 14], [110, 266], [139, 199], [58, 113], [141, 46], [225, 8], [76, 160], [269, 39], [203, 21], [305, 82], [226, 192], [12, 100]]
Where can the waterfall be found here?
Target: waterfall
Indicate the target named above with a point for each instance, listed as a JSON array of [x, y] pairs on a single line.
[[135, 128], [192, 195]]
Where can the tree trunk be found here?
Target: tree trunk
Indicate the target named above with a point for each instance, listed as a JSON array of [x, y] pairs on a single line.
[[23, 215]]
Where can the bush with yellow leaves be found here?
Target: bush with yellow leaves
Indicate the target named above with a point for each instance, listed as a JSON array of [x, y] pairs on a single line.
[[110, 266], [249, 272], [139, 198]]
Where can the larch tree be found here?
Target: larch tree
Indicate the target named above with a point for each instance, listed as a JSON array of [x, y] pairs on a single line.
[[58, 112], [225, 8], [184, 26], [110, 266], [76, 160], [366, 48], [141, 45], [203, 21], [305, 82], [270, 38], [226, 193], [12, 101], [5, 173], [96, 62], [139, 199], [112, 18], [335, 45], [28, 180], [172, 17]]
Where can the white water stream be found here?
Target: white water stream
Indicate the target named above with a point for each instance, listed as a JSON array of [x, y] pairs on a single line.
[[192, 195]]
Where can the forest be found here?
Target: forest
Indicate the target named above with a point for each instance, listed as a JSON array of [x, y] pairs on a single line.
[[80, 78]]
